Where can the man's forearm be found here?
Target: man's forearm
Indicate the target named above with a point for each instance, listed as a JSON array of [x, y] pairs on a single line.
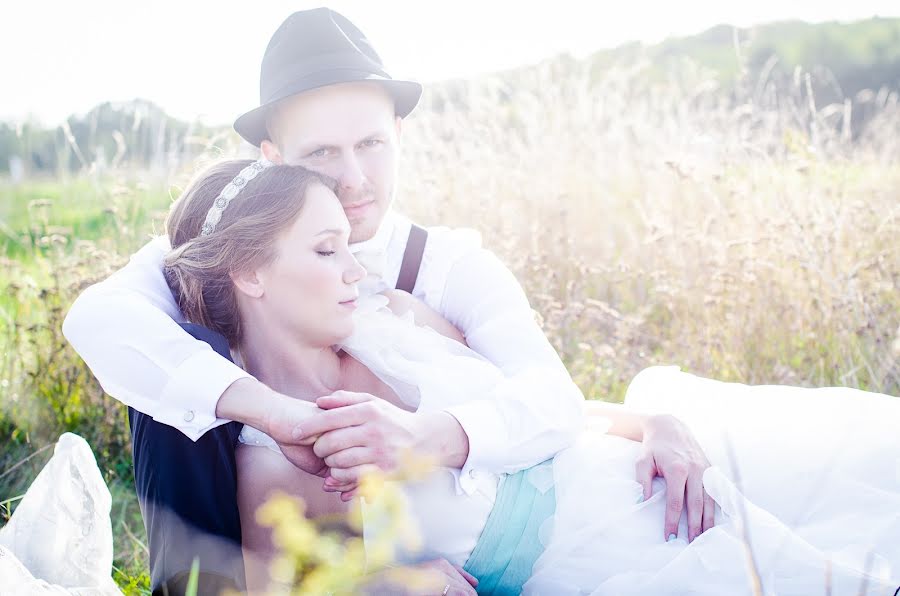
[[248, 401], [278, 415]]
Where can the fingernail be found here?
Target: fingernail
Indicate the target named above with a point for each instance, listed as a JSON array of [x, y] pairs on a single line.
[[640, 499], [671, 537], [296, 433]]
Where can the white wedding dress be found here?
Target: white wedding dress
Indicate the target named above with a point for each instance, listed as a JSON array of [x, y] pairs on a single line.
[[818, 497], [808, 478]]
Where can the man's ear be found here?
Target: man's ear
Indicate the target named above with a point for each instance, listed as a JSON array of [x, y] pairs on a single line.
[[271, 152], [248, 283]]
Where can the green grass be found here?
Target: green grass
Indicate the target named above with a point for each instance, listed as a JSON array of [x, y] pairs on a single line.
[[111, 213], [57, 237]]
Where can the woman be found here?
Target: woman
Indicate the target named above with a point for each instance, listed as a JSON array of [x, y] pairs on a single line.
[[260, 255]]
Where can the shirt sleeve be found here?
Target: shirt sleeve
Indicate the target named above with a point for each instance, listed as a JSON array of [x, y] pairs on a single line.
[[126, 328], [538, 409]]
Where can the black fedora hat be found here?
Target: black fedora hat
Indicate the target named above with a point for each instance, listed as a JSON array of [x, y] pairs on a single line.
[[312, 49]]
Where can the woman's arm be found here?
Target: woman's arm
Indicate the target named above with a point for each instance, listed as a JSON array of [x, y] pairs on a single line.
[[263, 473]]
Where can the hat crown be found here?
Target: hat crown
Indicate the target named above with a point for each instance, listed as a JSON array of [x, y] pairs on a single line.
[[311, 39], [312, 49]]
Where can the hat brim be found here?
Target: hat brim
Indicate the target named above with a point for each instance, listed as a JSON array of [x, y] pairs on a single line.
[[252, 125]]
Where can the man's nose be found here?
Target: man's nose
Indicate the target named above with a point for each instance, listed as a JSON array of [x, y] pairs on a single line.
[[351, 177]]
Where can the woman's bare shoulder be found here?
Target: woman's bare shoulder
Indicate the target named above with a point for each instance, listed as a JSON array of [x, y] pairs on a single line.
[[401, 302]]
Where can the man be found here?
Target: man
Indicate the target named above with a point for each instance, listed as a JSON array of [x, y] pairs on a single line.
[[328, 104]]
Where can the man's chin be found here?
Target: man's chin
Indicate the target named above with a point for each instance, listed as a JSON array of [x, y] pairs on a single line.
[[363, 230]]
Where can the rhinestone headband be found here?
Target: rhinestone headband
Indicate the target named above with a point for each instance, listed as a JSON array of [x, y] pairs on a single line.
[[230, 191]]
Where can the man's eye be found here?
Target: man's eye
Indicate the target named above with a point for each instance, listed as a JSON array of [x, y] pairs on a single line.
[[325, 253], [372, 142], [319, 153]]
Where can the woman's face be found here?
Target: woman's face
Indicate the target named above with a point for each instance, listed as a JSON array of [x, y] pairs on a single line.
[[311, 285]]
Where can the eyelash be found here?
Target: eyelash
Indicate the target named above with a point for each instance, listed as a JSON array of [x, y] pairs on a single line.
[[325, 253]]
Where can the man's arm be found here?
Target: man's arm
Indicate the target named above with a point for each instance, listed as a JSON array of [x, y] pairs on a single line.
[[538, 410], [126, 330], [615, 419]]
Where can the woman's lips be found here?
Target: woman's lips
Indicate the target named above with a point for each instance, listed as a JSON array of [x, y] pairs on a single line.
[[351, 304]]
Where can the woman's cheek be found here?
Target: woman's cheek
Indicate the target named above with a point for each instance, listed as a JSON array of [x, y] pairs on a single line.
[[322, 278]]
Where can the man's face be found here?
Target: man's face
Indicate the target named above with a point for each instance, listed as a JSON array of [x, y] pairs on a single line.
[[350, 133]]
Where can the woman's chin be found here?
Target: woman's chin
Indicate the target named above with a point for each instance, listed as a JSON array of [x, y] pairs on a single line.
[[342, 332]]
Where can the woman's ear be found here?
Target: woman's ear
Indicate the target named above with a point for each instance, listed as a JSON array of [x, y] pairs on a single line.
[[248, 283]]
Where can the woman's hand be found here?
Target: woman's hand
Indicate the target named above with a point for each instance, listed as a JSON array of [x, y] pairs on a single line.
[[440, 578], [671, 451]]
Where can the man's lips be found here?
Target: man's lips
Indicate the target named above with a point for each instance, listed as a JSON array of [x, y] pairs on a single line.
[[357, 206]]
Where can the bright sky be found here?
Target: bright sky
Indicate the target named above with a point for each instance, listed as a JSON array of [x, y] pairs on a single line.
[[200, 58]]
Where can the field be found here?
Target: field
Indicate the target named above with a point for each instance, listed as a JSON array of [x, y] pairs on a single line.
[[748, 235]]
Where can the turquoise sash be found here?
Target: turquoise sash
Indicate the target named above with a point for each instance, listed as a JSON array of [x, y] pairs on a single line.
[[509, 544]]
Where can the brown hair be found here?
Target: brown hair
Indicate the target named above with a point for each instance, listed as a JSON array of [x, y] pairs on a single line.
[[198, 268]]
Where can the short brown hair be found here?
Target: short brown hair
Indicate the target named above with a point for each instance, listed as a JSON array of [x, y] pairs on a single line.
[[198, 268]]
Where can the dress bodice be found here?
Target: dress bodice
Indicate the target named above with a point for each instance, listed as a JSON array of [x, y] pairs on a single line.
[[428, 372]]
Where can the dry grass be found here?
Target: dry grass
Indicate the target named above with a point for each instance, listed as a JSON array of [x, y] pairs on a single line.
[[747, 235], [744, 237]]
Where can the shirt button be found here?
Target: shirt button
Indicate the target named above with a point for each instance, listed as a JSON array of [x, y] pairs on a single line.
[[472, 474], [189, 415]]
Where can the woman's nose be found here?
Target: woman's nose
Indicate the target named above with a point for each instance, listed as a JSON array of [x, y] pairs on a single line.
[[355, 272]]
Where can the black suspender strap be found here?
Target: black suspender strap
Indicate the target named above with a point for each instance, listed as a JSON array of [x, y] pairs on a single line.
[[412, 258]]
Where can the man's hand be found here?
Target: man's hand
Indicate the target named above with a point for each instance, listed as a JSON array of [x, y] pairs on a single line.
[[360, 432], [440, 577], [671, 451]]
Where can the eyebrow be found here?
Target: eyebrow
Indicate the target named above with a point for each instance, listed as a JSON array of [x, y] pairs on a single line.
[[334, 231]]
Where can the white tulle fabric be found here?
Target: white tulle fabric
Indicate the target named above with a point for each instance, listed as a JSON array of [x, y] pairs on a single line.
[[819, 477], [59, 539], [818, 471], [428, 372]]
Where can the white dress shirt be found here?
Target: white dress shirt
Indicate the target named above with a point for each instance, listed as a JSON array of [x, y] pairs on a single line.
[[126, 329]]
